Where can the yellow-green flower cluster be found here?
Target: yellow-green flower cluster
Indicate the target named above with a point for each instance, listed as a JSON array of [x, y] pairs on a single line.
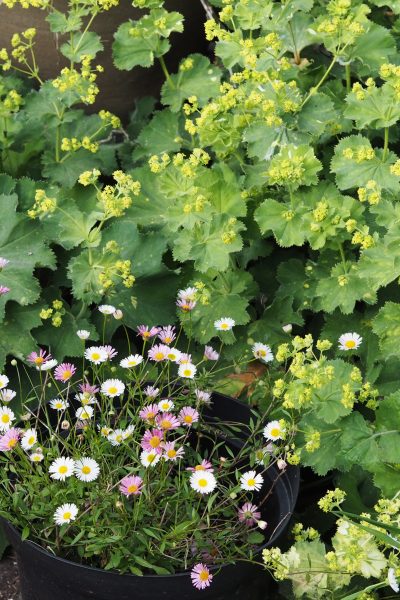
[[73, 144], [359, 155], [22, 52], [344, 23], [109, 119], [332, 499], [89, 177], [303, 534], [10, 104], [43, 205], [371, 193], [55, 312], [116, 199], [82, 82]]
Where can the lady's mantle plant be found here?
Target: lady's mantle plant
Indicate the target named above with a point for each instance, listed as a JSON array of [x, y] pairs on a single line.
[[112, 446]]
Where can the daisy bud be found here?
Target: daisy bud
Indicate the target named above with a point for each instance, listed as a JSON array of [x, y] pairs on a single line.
[[262, 524], [119, 505], [233, 495], [25, 417], [281, 464], [287, 328], [222, 459], [14, 362], [118, 314], [65, 425], [113, 369]]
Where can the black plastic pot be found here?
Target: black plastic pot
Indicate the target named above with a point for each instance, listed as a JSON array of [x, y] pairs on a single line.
[[46, 577]]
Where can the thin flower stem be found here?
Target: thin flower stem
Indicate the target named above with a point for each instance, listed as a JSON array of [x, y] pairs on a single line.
[[385, 144], [348, 77], [166, 73]]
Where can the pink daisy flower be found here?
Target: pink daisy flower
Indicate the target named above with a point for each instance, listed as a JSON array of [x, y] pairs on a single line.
[[201, 576], [152, 440], [186, 305], [111, 352], [158, 352], [205, 465], [167, 335], [249, 514], [146, 333], [151, 392], [64, 372], [149, 413], [86, 388], [210, 353], [188, 416], [167, 421], [203, 396], [131, 485], [10, 439], [185, 358], [170, 453], [38, 359], [4, 290]]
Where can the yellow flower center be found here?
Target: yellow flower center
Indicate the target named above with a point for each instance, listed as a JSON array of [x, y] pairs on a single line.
[[171, 453], [199, 468], [12, 443], [63, 469], [67, 516], [203, 575], [275, 431], [168, 340], [150, 458], [202, 483], [159, 355], [350, 344], [251, 482], [59, 405], [86, 470], [31, 440], [39, 360], [132, 363], [132, 489], [155, 441], [5, 418], [166, 424], [95, 356], [119, 437], [146, 334], [187, 372], [165, 406], [262, 353], [188, 419], [112, 390], [67, 374], [224, 326]]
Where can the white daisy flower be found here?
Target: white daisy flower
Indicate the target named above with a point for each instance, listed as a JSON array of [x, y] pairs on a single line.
[[84, 413], [6, 395], [149, 458], [61, 468], [350, 341], [116, 437], [112, 387], [59, 404], [3, 381], [107, 309], [274, 431], [133, 360], [6, 418], [187, 370], [65, 514], [261, 454], [251, 481], [46, 366], [174, 355], [224, 324], [85, 398], [203, 482], [262, 352], [165, 405], [287, 328], [86, 469], [203, 396], [96, 354], [392, 580], [36, 456], [29, 439], [128, 432], [104, 430], [83, 334]]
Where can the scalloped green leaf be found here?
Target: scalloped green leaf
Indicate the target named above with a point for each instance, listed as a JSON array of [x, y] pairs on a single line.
[[386, 325], [283, 219]]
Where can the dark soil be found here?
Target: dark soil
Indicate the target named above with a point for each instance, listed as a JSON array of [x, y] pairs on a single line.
[[9, 586]]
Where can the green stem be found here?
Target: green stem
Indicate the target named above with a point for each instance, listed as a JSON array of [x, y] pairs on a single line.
[[385, 143], [348, 78], [166, 72], [342, 257], [315, 89]]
